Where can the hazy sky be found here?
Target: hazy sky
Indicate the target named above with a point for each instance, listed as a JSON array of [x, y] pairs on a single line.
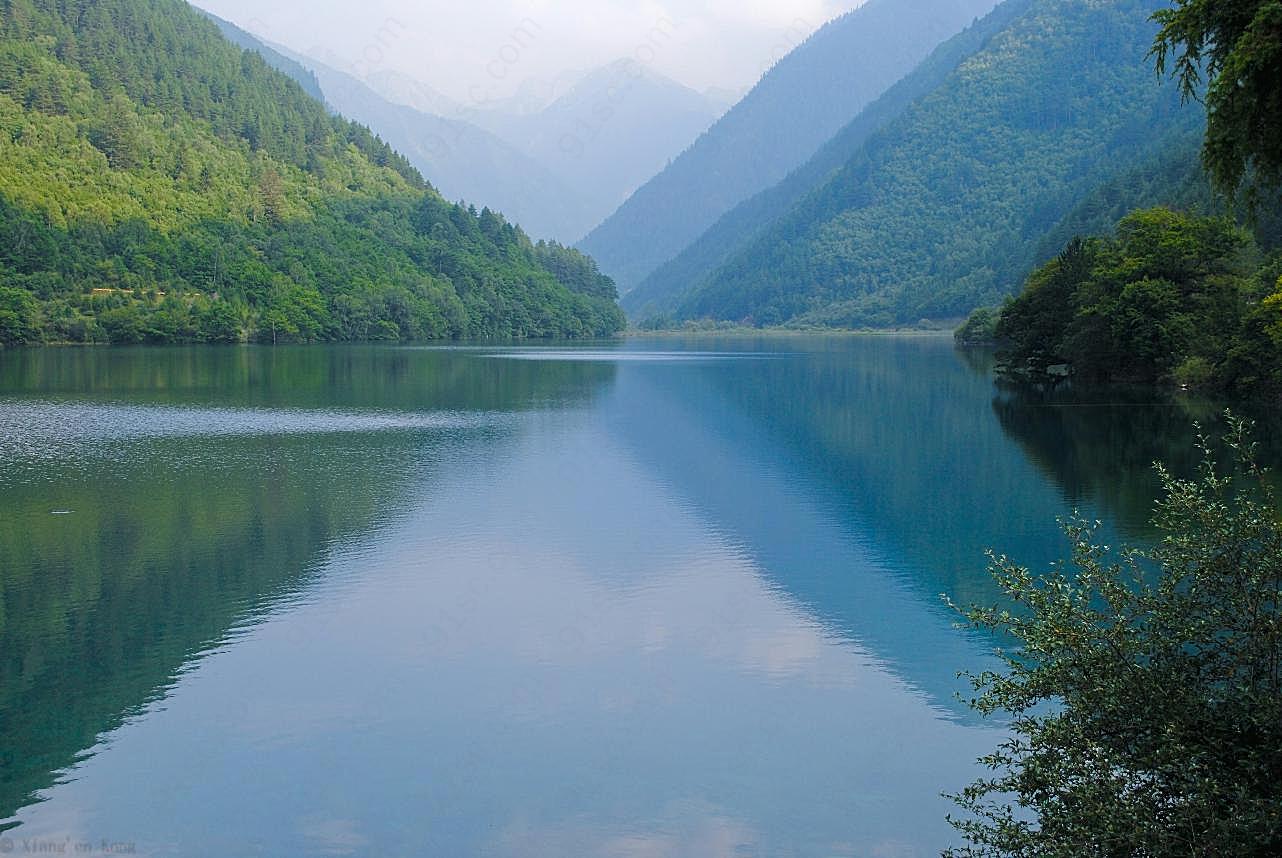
[[477, 49]]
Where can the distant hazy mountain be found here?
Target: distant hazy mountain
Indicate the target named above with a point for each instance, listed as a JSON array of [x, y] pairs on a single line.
[[602, 133], [405, 90], [722, 98], [614, 129], [946, 206], [798, 106], [463, 161], [660, 293], [535, 94]]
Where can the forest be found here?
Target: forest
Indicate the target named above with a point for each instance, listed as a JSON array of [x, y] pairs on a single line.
[[942, 208], [1169, 297], [159, 184], [654, 301]]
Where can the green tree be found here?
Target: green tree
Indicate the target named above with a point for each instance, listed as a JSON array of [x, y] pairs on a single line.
[[1145, 694], [271, 195], [117, 134], [1237, 45], [19, 317], [1168, 289], [980, 328], [1033, 326]]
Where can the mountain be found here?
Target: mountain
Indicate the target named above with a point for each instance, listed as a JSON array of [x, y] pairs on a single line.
[[533, 95], [612, 130], [601, 133], [158, 184], [404, 90], [944, 208], [658, 295], [463, 161], [723, 98], [796, 107]]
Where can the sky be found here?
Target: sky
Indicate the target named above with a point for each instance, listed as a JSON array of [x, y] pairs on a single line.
[[475, 50]]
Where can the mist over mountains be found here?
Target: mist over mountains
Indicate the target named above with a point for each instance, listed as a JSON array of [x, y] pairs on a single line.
[[557, 156]]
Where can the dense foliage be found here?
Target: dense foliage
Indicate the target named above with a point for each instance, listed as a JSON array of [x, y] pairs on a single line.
[[1171, 297], [943, 207], [1172, 177], [1238, 46], [797, 106], [980, 328], [1145, 694], [158, 184], [285, 65]]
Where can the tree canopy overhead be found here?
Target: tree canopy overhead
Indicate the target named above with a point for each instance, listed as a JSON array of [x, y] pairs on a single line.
[[1234, 47]]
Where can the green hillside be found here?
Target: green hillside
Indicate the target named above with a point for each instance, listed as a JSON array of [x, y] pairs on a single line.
[[283, 64], [1172, 177], [159, 184], [945, 207], [658, 294]]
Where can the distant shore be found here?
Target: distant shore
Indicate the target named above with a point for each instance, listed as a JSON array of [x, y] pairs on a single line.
[[636, 333]]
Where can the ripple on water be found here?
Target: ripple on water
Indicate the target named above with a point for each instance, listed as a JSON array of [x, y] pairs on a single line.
[[606, 356], [44, 429]]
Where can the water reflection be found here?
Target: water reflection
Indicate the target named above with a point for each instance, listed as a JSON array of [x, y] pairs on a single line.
[[650, 598], [1100, 446], [138, 533], [490, 676]]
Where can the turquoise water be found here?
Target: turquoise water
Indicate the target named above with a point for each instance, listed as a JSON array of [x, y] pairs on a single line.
[[670, 597]]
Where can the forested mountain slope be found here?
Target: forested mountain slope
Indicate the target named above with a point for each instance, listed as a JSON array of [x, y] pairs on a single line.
[[283, 64], [659, 293], [945, 207], [1173, 177], [795, 108], [157, 183]]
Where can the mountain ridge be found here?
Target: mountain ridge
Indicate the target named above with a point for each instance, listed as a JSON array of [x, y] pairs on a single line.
[[464, 161], [658, 294], [795, 108], [1007, 146], [603, 132]]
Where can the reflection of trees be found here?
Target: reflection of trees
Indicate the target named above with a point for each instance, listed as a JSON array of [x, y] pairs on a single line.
[[163, 555], [897, 433], [341, 377], [174, 542], [1099, 446], [978, 360]]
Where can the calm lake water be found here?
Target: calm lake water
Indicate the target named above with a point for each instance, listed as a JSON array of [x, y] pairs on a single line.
[[651, 598]]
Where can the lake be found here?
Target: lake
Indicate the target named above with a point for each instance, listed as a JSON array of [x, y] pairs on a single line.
[[669, 597]]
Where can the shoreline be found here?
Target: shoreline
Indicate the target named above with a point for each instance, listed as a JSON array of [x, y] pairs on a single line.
[[622, 336]]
